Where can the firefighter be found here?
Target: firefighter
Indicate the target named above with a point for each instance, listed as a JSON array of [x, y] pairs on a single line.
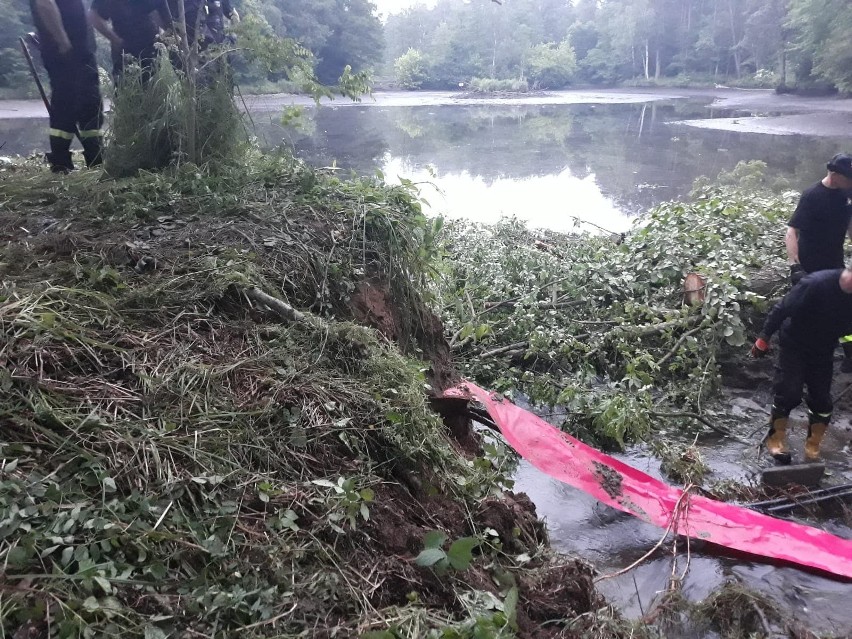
[[217, 11], [818, 228], [67, 45], [131, 26], [809, 319]]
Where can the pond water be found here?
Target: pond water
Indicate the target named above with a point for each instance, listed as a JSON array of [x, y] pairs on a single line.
[[602, 157]]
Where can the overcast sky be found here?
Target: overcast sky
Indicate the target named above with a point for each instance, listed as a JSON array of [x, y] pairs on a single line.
[[395, 6]]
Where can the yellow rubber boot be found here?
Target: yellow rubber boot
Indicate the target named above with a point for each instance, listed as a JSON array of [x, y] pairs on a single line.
[[816, 431], [776, 440]]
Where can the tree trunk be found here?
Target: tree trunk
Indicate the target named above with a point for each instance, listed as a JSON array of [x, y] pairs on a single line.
[[646, 61], [657, 70], [734, 40]]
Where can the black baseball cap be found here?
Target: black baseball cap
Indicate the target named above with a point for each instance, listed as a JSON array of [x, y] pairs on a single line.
[[841, 163]]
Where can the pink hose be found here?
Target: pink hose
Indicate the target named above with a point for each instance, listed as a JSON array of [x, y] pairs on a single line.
[[618, 485]]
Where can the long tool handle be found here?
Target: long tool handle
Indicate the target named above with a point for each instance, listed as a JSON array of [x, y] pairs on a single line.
[[34, 72]]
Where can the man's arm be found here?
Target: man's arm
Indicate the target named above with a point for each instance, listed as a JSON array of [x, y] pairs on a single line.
[[791, 241], [103, 27], [229, 12], [789, 305], [50, 17]]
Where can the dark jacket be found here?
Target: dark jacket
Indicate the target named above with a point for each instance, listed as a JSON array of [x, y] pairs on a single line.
[[813, 315]]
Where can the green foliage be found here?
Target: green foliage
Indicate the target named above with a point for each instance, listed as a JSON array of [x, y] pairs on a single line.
[[552, 66], [352, 502], [660, 41], [169, 118], [410, 69], [338, 33], [599, 329], [178, 476], [459, 556], [492, 85]]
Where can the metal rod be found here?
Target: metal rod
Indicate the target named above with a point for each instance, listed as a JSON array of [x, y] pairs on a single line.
[[785, 500], [34, 72], [813, 500]]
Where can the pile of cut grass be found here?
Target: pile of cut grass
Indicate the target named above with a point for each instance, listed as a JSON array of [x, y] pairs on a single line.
[[197, 438]]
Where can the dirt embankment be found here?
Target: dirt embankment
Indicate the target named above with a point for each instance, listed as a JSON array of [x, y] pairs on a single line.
[[201, 435]]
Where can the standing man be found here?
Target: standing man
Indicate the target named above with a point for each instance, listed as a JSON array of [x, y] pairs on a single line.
[[818, 228], [217, 11], [131, 28], [68, 52], [811, 317]]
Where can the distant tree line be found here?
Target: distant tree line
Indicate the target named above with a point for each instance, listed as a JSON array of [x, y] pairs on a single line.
[[801, 44], [805, 44]]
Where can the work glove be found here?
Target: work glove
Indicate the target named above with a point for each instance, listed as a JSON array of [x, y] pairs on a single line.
[[796, 273], [760, 348]]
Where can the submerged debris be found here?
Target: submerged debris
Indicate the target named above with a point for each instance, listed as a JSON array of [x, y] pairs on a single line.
[[609, 479]]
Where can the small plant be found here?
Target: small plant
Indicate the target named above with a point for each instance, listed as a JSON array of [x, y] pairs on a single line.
[[459, 556], [350, 502]]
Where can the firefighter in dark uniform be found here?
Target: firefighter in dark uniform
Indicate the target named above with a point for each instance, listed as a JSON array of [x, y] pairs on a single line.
[[818, 228], [810, 319], [68, 50], [131, 27], [217, 11]]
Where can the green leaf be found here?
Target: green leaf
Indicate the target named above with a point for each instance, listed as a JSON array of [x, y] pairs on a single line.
[[91, 604], [367, 494], [153, 632], [430, 556], [460, 555], [104, 584], [17, 557], [510, 607], [434, 539]]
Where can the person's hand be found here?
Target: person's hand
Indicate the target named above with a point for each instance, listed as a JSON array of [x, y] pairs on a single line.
[[796, 273], [760, 348]]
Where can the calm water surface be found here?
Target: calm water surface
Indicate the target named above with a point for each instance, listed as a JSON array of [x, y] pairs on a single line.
[[599, 157]]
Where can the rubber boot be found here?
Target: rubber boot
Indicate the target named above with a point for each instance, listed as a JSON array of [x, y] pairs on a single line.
[[92, 151], [776, 439], [817, 425], [59, 157]]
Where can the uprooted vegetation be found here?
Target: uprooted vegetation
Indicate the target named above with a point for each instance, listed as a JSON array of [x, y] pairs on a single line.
[[597, 326], [215, 421]]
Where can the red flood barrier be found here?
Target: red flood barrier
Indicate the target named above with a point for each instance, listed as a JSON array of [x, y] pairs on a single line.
[[616, 484]]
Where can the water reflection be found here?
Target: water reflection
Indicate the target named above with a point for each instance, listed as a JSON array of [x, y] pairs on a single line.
[[542, 161]]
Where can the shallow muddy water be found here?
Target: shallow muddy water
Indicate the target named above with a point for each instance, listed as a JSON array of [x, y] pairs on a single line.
[[612, 540]]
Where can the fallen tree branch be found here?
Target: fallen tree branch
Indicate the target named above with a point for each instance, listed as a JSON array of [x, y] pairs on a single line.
[[644, 330], [281, 308], [703, 420], [677, 345], [504, 349]]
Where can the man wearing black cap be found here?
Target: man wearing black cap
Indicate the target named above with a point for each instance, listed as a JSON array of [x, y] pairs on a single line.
[[818, 228]]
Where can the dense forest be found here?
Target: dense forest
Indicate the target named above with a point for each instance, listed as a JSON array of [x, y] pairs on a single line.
[[798, 44]]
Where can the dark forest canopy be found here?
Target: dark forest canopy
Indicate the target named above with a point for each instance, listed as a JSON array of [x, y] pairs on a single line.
[[804, 44]]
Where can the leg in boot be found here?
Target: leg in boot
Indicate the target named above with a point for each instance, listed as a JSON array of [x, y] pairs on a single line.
[[60, 151], [89, 113], [818, 381], [92, 149], [776, 439], [817, 425]]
